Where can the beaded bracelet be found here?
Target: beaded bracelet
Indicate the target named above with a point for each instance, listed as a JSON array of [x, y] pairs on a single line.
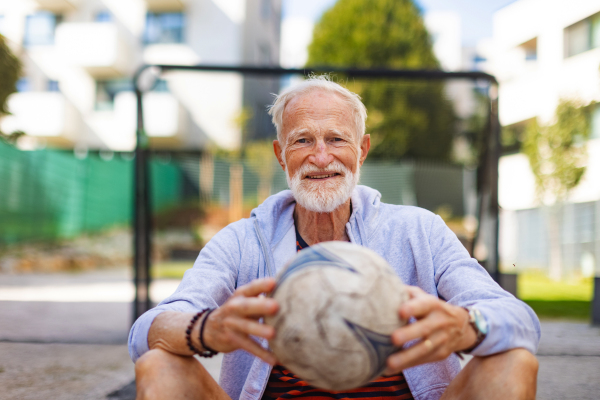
[[209, 352], [188, 338]]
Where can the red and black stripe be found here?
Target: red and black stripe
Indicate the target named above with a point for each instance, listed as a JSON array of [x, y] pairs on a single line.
[[283, 384]]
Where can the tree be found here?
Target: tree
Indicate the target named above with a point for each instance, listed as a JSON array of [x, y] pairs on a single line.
[[10, 71], [406, 118], [557, 155]]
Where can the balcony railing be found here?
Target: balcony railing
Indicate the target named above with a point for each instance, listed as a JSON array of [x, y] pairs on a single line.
[[99, 47], [41, 114]]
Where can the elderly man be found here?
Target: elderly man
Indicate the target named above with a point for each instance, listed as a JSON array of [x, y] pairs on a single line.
[[455, 306]]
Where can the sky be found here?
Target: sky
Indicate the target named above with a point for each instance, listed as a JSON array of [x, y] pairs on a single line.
[[476, 15]]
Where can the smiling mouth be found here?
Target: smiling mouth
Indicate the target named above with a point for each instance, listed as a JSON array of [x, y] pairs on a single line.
[[322, 176]]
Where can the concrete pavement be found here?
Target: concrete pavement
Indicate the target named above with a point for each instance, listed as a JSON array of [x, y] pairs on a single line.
[[53, 347]]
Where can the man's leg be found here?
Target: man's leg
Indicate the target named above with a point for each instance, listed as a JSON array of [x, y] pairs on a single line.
[[163, 375], [508, 375]]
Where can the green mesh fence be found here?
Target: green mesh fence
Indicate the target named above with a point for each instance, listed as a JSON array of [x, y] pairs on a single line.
[[425, 184], [51, 194]]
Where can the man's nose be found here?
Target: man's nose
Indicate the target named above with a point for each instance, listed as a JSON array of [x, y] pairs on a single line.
[[321, 157]]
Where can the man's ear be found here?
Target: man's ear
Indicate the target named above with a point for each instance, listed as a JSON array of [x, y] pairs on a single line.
[[365, 145], [278, 153]]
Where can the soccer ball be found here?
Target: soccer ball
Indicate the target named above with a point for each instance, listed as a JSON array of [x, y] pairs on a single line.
[[338, 305]]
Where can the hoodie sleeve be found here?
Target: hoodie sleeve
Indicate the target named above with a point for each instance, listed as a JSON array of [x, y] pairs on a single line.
[[461, 281], [210, 282]]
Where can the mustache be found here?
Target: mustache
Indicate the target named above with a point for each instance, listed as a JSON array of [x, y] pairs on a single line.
[[334, 167]]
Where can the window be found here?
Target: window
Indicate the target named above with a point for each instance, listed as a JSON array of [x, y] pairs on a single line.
[[582, 36], [39, 28], [24, 85], [103, 16], [53, 86], [164, 28], [160, 86], [107, 90], [530, 49]]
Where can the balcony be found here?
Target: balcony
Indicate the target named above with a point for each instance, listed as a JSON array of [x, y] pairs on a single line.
[[523, 98], [44, 115], [99, 47], [164, 121]]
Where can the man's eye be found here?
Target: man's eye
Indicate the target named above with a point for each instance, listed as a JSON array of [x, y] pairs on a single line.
[[338, 139], [301, 140]]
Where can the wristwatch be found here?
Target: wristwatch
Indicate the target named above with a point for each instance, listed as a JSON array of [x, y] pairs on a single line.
[[478, 322]]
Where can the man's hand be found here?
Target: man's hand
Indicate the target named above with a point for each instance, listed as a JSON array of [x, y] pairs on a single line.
[[229, 327], [441, 328]]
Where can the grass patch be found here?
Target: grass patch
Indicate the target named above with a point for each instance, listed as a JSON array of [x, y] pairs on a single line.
[[534, 285], [566, 299], [561, 309], [170, 269]]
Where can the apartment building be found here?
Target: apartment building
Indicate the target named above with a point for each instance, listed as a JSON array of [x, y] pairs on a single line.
[[542, 51], [80, 55]]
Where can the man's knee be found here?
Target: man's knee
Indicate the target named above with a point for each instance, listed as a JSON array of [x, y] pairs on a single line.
[[152, 360], [521, 361], [516, 370]]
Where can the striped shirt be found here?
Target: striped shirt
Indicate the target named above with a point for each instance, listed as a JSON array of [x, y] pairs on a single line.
[[283, 384]]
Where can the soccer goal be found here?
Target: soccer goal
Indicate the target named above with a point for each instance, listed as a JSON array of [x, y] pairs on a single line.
[[435, 144]]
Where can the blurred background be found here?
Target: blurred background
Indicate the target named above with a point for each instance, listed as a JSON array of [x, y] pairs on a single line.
[[68, 131]]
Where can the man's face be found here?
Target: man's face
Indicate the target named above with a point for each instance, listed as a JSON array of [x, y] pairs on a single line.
[[320, 152]]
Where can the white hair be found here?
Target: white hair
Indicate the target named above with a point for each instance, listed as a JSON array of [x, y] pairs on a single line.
[[324, 83]]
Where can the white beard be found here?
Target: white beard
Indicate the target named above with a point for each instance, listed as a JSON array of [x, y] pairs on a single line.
[[323, 196]]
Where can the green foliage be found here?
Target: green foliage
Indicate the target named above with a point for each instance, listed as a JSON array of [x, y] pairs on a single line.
[[10, 71], [406, 118], [372, 33], [557, 153], [561, 309], [260, 158]]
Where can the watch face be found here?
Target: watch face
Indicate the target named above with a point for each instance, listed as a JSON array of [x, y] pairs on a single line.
[[479, 321]]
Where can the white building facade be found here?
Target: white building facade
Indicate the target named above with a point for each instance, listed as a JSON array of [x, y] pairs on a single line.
[[544, 51], [80, 55]]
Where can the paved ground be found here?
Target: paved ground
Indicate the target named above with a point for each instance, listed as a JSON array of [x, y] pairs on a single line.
[[58, 341], [569, 356]]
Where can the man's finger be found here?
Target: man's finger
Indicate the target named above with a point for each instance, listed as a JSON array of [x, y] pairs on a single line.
[[245, 343], [416, 330], [256, 287], [252, 306], [249, 327], [418, 307], [420, 353]]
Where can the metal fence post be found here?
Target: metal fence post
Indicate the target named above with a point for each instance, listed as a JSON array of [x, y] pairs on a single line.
[[596, 302], [141, 218]]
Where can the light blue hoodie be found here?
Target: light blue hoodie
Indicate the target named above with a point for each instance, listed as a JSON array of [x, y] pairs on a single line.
[[418, 245]]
